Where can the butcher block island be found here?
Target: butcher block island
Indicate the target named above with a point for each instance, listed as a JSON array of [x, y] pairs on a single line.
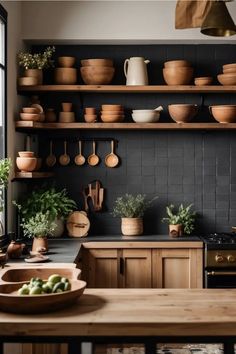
[[145, 316]]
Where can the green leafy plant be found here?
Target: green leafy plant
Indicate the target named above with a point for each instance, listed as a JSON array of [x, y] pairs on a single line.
[[46, 200], [39, 225], [5, 167], [183, 215], [37, 60], [130, 206]]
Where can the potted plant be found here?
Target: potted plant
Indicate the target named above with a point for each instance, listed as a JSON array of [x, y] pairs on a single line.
[[35, 63], [56, 203], [131, 210], [5, 166], [38, 227], [180, 220]]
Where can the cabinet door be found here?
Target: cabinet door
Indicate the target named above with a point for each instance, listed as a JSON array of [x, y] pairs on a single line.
[[177, 268], [100, 267], [135, 268]]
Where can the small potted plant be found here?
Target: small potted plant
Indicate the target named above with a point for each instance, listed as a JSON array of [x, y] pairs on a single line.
[[5, 166], [39, 227], [34, 64], [181, 221], [131, 210], [56, 203]]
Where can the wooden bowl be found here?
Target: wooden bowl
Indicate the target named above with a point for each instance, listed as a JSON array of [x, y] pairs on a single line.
[[66, 62], [97, 75], [177, 63], [65, 76], [182, 113], [90, 118], [229, 66], [112, 113], [112, 107], [224, 113], [178, 76], [90, 110], [26, 164], [203, 81], [97, 62], [66, 117], [227, 79], [112, 119], [30, 110], [30, 116], [27, 81], [26, 153], [229, 71]]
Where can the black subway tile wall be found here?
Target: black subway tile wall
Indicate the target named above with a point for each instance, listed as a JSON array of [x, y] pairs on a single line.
[[196, 167]]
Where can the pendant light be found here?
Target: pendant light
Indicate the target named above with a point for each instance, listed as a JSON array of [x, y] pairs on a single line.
[[218, 21]]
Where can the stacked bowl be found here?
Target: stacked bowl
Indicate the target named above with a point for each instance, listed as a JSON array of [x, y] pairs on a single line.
[[26, 162], [177, 72], [229, 75], [34, 113], [97, 71], [65, 74], [112, 113]]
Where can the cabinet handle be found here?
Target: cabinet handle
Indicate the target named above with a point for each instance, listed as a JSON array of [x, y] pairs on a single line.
[[122, 266]]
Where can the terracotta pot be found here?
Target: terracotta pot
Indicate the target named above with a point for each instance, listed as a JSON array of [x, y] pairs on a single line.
[[178, 76], [26, 164], [26, 153], [230, 70], [66, 62], [97, 75], [40, 243], [36, 73], [176, 230], [66, 106], [224, 113], [182, 113], [14, 250], [65, 76], [229, 66], [50, 115], [177, 64], [97, 62], [132, 226]]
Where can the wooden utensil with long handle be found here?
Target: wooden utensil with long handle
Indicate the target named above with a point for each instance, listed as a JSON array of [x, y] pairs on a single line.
[[51, 159], [93, 159], [80, 159], [112, 160], [65, 158]]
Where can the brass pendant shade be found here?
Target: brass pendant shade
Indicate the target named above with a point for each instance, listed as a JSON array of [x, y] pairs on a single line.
[[218, 21]]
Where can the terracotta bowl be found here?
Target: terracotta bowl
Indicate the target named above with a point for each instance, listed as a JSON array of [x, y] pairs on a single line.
[[97, 62], [224, 113], [182, 113], [229, 71], [178, 76], [26, 164], [177, 63], [26, 153], [90, 118], [112, 107], [27, 81], [66, 62], [203, 81], [229, 66], [112, 113], [97, 75], [30, 116], [65, 76], [106, 118], [30, 110], [90, 110], [227, 79]]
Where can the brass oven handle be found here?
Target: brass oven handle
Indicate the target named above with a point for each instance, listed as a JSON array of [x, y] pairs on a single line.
[[221, 273]]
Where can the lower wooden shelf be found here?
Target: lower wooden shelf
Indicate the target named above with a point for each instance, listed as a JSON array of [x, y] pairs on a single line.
[[35, 175]]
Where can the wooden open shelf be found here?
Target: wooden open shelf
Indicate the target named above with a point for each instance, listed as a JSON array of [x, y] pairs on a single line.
[[129, 89], [34, 175], [26, 125]]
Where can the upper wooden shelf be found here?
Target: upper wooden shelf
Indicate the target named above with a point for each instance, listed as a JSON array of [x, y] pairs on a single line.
[[128, 89], [25, 125]]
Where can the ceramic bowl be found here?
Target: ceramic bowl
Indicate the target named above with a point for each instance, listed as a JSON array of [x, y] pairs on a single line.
[[182, 113], [106, 118], [178, 76], [30, 110], [66, 62], [26, 164], [227, 79], [229, 66], [177, 63], [90, 110], [26, 153], [97, 75], [229, 70], [224, 113], [27, 81], [203, 81], [112, 113], [30, 116], [97, 62], [112, 107], [65, 76], [90, 118], [147, 116]]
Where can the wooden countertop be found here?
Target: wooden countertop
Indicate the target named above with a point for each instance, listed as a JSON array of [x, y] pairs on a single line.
[[134, 312]]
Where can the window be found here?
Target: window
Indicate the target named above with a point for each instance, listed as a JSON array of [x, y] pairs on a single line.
[[3, 87]]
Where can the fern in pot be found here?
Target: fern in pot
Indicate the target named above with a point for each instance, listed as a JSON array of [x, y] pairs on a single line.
[[131, 210], [181, 220]]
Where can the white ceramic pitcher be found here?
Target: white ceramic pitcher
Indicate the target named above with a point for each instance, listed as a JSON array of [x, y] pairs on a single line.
[[135, 70]]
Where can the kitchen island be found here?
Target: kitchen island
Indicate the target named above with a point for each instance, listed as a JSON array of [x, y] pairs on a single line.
[[144, 316]]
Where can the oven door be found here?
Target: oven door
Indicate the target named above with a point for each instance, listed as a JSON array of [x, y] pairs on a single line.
[[220, 279]]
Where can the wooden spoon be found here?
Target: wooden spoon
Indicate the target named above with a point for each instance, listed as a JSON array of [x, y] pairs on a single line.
[[111, 160], [64, 159], [51, 159], [80, 159], [93, 159]]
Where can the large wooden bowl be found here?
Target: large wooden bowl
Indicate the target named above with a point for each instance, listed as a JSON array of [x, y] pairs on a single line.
[[178, 75], [227, 79], [177, 63], [97, 62], [65, 76], [224, 113], [97, 75], [10, 301], [182, 113]]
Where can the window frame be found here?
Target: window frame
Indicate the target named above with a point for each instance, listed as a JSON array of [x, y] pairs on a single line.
[[3, 18]]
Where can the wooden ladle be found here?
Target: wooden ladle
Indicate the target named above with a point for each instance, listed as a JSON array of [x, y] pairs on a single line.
[[80, 159], [51, 159], [64, 159], [93, 159], [111, 160]]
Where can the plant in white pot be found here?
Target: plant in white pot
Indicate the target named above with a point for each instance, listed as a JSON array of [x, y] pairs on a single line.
[[39, 227], [34, 64], [131, 210], [181, 220], [5, 167]]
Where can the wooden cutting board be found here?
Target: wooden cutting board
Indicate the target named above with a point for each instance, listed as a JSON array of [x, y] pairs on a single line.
[[78, 224]]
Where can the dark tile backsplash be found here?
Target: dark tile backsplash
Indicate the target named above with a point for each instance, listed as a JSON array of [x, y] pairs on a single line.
[[196, 167]]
